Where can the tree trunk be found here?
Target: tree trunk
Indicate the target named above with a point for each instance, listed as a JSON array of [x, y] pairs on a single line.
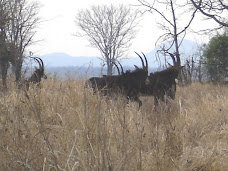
[[18, 73], [177, 62], [4, 68], [109, 67], [17, 61]]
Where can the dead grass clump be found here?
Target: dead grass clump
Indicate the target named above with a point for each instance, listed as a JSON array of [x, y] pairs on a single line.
[[205, 138], [64, 126]]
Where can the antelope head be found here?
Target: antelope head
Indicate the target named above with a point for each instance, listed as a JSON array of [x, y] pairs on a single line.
[[145, 68], [40, 71]]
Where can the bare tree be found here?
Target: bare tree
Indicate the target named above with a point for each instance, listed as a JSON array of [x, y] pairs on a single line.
[[21, 30], [4, 65], [4, 53], [194, 68], [18, 19], [110, 29], [215, 10], [170, 13]]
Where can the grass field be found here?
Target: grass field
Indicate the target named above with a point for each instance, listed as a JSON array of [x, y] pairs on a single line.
[[63, 126]]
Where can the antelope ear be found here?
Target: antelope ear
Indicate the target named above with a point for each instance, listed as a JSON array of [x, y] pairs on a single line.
[[170, 66], [35, 67], [136, 67], [180, 67]]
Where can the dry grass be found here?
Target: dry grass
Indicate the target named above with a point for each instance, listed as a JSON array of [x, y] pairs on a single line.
[[63, 126]]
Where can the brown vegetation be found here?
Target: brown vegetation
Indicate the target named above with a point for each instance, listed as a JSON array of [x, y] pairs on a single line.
[[63, 126]]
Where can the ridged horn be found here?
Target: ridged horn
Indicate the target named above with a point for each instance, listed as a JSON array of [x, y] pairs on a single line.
[[42, 63], [36, 58], [122, 71], [146, 61], [116, 67], [141, 60]]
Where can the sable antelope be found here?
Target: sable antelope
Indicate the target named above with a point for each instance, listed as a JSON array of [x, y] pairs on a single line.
[[128, 83], [37, 74], [163, 83], [101, 83], [133, 81]]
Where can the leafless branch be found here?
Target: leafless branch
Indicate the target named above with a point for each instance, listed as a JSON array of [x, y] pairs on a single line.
[[109, 28], [212, 9], [169, 22]]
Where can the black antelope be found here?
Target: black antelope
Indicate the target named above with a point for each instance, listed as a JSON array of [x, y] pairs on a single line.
[[162, 83], [127, 83], [37, 74]]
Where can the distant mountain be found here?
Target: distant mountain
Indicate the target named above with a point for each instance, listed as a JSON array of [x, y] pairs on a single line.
[[64, 60], [66, 66]]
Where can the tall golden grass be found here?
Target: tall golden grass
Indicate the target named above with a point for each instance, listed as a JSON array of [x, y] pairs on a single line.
[[64, 126]]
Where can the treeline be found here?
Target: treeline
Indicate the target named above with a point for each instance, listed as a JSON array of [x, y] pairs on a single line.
[[210, 63]]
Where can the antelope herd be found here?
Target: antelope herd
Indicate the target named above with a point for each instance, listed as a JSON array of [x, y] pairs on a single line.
[[130, 84]]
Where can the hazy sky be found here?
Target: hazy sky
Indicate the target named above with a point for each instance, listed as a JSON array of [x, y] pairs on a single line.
[[56, 32]]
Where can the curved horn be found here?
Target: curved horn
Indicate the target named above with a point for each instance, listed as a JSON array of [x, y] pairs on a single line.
[[35, 58], [141, 60], [145, 60], [122, 71], [116, 67], [42, 63]]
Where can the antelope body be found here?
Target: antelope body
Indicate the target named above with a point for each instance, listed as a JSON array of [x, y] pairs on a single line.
[[162, 83], [128, 83]]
